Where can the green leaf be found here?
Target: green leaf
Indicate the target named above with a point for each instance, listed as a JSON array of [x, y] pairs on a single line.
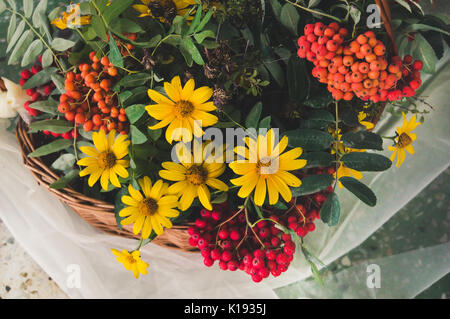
[[115, 9], [16, 36], [64, 162], [58, 80], [32, 52], [56, 126], [12, 4], [319, 101], [61, 45], [253, 117], [55, 146], [196, 21], [135, 80], [28, 8], [11, 28], [312, 184], [360, 190], [39, 18], [309, 139], [2, 6], [137, 137], [426, 53], [362, 140], [275, 70], [289, 17], [40, 78], [99, 27], [47, 58], [21, 46], [220, 199], [115, 57], [205, 20], [200, 37], [317, 159], [318, 119], [126, 26], [265, 122], [331, 210], [118, 205], [366, 162], [190, 47], [297, 79], [48, 106], [65, 180], [276, 8], [135, 112]]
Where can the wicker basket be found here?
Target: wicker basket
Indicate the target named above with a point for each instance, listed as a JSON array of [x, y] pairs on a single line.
[[98, 213]]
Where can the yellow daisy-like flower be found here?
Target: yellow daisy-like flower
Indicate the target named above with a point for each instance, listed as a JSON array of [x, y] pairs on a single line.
[[361, 117], [72, 19], [194, 174], [404, 140], [105, 161], [346, 171], [152, 8], [150, 211], [131, 261], [266, 168], [185, 112]]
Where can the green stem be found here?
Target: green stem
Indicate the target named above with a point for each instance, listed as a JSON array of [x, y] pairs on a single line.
[[40, 38], [314, 11], [337, 142], [160, 42]]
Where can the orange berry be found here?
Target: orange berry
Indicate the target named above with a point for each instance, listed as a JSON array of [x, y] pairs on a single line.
[[122, 118], [379, 49], [361, 39], [375, 65], [355, 67], [348, 96], [63, 107], [88, 125], [354, 46], [112, 71], [365, 49], [329, 32], [96, 66], [70, 116], [70, 76], [367, 83], [89, 79], [347, 60], [105, 61], [372, 42], [332, 45], [373, 75], [363, 67], [393, 68], [343, 69], [105, 84], [79, 118], [371, 57], [111, 126], [97, 119]]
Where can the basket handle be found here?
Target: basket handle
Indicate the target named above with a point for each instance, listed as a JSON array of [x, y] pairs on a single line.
[[385, 11]]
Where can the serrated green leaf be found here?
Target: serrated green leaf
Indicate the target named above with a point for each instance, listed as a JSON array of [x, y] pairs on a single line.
[[47, 59], [366, 162], [265, 122], [426, 54], [64, 162], [312, 184], [115, 9], [2, 6], [99, 27], [205, 20], [309, 139], [18, 32], [191, 48], [32, 52], [200, 37], [196, 21], [364, 193], [118, 205], [253, 116], [135, 80], [40, 78], [289, 17], [48, 106], [331, 210], [11, 28], [56, 126], [39, 18], [21, 46], [297, 80], [61, 45], [53, 147], [58, 80], [28, 8], [115, 57]]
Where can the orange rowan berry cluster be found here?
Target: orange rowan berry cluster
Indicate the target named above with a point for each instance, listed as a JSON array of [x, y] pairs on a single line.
[[89, 100], [358, 67]]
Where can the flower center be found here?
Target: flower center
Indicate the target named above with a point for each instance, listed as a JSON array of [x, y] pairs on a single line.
[[404, 140], [184, 108], [197, 175], [107, 160], [130, 259], [266, 165], [148, 207]]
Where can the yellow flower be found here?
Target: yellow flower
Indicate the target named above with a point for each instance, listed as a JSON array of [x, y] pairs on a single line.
[[72, 19], [265, 166], [346, 171], [151, 211], [361, 116], [404, 140], [194, 174], [153, 8], [185, 112], [105, 161], [131, 261]]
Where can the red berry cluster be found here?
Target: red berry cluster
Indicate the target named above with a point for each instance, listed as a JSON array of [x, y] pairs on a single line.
[[68, 135], [36, 94], [227, 238], [358, 67], [89, 100]]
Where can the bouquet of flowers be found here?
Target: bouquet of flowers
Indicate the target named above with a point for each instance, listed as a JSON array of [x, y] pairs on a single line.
[[236, 119]]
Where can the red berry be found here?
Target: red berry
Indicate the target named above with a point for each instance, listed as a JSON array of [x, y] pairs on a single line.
[[247, 259], [301, 231], [271, 255], [414, 84], [226, 255], [275, 241], [235, 235], [200, 223], [205, 252], [263, 272], [282, 259], [256, 278], [208, 262], [233, 265], [223, 265], [258, 253], [418, 65], [205, 213], [36, 69], [216, 215], [193, 242], [215, 254], [407, 59], [223, 234], [66, 136]]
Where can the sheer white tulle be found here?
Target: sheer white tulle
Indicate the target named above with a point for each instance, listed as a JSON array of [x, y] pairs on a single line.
[[58, 239]]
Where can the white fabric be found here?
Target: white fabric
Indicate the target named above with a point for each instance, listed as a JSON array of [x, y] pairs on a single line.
[[58, 239]]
